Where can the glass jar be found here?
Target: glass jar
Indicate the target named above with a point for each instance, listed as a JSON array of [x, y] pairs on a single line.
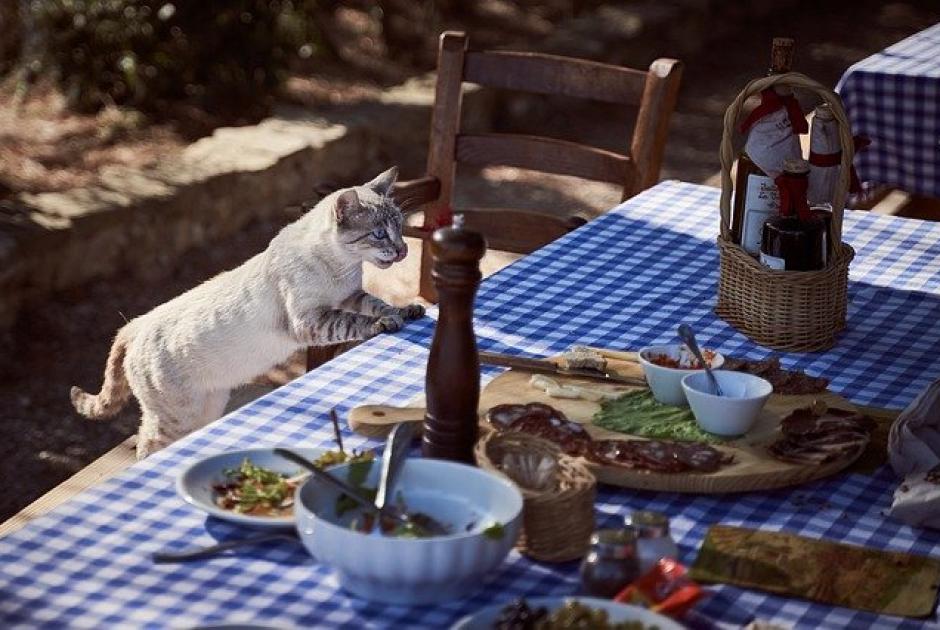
[[791, 244], [611, 563], [653, 540]]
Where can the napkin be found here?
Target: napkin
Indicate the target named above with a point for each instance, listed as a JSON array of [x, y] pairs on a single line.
[[914, 453], [886, 582]]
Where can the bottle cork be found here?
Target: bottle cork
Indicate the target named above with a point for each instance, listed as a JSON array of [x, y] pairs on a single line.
[[781, 55]]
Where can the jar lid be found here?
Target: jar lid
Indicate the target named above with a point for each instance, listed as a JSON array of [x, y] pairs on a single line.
[[824, 112], [795, 166], [615, 543], [650, 524]]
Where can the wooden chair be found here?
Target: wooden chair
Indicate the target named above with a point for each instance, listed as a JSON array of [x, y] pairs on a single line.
[[654, 91], [523, 231]]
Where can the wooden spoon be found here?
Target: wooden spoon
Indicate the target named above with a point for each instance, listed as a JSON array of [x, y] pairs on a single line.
[[377, 421]]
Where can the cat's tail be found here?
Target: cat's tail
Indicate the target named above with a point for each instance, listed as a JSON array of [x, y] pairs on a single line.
[[115, 392]]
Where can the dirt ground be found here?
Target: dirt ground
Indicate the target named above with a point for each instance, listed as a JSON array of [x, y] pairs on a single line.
[[65, 340]]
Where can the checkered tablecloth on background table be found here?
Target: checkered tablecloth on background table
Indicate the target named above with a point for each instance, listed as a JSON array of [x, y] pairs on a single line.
[[893, 97], [622, 281]]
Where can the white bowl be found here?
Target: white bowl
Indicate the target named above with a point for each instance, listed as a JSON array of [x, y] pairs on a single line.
[[195, 484], [666, 382], [412, 571], [735, 412]]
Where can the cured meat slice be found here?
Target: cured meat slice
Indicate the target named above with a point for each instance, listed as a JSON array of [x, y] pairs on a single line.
[[542, 421], [614, 452], [659, 456], [784, 381], [701, 457], [821, 435], [504, 415]]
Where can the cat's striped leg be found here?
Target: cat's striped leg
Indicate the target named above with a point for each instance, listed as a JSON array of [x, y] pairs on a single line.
[[329, 326], [362, 302]]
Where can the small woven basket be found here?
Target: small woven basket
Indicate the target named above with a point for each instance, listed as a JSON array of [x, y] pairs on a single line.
[[557, 522], [786, 310]]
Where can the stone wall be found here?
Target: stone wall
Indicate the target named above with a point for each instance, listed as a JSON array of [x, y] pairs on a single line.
[[139, 221]]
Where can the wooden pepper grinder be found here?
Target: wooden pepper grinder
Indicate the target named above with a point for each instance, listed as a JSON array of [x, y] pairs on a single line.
[[452, 385]]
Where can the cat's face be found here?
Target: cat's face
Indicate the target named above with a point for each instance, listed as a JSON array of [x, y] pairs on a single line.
[[369, 222]]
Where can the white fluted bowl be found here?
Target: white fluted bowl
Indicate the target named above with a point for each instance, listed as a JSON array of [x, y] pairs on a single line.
[[413, 571]]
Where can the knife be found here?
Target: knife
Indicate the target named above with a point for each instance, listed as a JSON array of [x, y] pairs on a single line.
[[543, 366]]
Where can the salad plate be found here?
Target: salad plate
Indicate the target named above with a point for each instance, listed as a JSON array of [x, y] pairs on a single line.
[[197, 485], [486, 618]]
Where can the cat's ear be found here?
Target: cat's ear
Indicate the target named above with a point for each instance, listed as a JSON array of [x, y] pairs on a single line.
[[347, 202], [382, 184]]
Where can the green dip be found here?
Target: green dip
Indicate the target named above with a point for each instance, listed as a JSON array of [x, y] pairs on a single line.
[[638, 413]]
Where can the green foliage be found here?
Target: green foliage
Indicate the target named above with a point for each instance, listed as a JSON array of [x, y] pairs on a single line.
[[220, 55]]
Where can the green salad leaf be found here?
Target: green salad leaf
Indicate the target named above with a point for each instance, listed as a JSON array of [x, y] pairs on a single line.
[[494, 530], [638, 413]]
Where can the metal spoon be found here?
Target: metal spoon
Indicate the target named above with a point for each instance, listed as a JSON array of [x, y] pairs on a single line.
[[687, 335], [336, 482], [393, 457], [199, 553], [396, 450]]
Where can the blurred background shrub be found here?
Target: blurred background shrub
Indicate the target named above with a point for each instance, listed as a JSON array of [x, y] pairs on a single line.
[[223, 57]]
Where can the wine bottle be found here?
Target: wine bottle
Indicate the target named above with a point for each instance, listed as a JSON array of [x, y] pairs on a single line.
[[824, 156], [771, 127]]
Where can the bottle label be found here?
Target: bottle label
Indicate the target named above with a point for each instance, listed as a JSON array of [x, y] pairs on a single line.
[[773, 262], [761, 200]]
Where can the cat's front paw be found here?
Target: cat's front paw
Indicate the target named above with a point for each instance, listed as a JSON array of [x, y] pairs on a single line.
[[412, 311], [387, 323]]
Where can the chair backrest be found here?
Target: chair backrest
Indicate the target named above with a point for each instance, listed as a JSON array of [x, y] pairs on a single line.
[[653, 91]]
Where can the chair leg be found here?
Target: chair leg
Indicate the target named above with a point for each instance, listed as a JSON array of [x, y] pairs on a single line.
[[426, 288], [318, 355]]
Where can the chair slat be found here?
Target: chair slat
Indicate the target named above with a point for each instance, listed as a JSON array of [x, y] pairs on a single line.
[[517, 231], [550, 74], [544, 154]]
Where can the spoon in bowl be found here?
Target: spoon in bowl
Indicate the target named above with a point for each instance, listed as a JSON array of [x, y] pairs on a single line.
[[396, 450], [687, 335], [393, 457]]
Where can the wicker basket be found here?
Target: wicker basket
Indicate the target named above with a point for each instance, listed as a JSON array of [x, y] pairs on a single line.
[[785, 310], [556, 522]]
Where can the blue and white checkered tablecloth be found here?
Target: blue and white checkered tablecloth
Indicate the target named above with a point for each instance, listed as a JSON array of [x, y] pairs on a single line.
[[623, 281], [893, 97]]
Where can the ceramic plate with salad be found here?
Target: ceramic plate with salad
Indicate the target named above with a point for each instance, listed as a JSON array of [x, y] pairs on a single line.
[[252, 487]]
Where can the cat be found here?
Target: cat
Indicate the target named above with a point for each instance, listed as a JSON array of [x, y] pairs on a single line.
[[181, 359]]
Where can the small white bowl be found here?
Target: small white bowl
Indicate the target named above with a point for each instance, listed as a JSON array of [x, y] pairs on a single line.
[[735, 412], [666, 382], [412, 571]]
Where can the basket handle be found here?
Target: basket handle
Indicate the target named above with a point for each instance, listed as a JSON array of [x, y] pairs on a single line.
[[799, 81]]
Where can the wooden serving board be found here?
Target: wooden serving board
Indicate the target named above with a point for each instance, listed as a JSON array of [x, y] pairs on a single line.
[[753, 468]]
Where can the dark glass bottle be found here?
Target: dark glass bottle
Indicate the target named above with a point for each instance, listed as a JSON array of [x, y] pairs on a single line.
[[753, 188], [611, 564]]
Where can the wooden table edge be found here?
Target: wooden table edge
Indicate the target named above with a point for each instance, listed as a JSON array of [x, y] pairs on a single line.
[[105, 467]]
